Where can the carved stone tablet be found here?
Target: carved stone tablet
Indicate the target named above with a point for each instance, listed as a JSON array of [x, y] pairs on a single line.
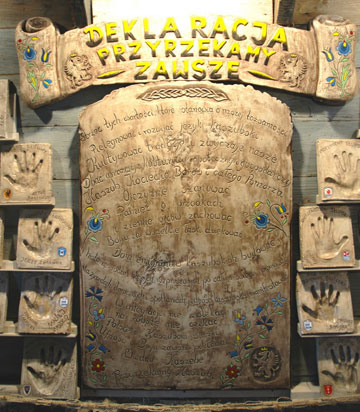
[[8, 120], [186, 200], [338, 169], [49, 368], [4, 282], [338, 365], [45, 303], [26, 174], [324, 303], [326, 237], [45, 239]]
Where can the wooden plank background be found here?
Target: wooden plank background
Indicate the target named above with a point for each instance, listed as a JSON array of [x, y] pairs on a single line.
[[57, 124]]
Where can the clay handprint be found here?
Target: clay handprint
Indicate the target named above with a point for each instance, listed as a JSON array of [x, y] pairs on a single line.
[[325, 245], [25, 170], [345, 375], [41, 302], [43, 233], [46, 371], [324, 305], [347, 172]]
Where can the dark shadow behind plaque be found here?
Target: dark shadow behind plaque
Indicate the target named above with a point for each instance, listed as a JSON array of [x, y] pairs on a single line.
[[186, 194]]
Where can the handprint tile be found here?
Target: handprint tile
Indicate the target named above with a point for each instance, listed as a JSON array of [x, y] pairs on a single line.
[[45, 239], [26, 174], [49, 368], [326, 237], [338, 169], [324, 303], [45, 303], [338, 365]]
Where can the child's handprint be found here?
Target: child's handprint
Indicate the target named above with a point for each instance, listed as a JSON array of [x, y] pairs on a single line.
[[324, 306], [42, 305], [345, 374], [25, 171], [43, 233], [347, 172], [325, 245]]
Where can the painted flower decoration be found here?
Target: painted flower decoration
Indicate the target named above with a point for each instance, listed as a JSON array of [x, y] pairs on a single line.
[[261, 220], [29, 54], [329, 55], [98, 365], [232, 371], [258, 309], [104, 349], [46, 83], [281, 209], [91, 336], [233, 354], [264, 321], [240, 319], [45, 56], [331, 80], [248, 345], [96, 294], [98, 314], [90, 347], [95, 224], [344, 47], [278, 301]]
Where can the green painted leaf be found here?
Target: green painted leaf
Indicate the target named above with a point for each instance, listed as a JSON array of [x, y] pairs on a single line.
[[280, 313], [262, 327], [96, 353], [261, 336], [247, 355], [285, 221], [87, 231], [93, 380], [268, 203], [42, 75], [222, 378], [345, 59], [237, 360], [249, 338], [334, 72], [105, 377], [270, 230], [93, 305], [248, 325], [94, 239], [266, 305]]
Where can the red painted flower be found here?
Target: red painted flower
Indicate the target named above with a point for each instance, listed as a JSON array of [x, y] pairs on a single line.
[[98, 365], [232, 371]]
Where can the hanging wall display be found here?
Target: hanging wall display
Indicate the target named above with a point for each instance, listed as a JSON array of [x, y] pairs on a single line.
[[186, 199], [318, 62]]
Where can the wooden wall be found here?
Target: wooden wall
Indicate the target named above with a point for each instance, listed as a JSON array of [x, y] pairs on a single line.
[[58, 124]]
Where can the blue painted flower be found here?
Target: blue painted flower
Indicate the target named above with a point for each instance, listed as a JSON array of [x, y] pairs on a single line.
[[261, 220], [95, 224], [258, 309], [45, 56], [94, 293], [104, 349], [329, 55], [29, 54], [331, 80], [98, 314], [281, 209], [90, 347], [233, 354], [264, 321], [46, 83], [240, 318], [278, 301], [344, 47]]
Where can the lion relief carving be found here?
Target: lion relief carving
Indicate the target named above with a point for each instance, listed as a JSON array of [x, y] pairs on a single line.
[[77, 69]]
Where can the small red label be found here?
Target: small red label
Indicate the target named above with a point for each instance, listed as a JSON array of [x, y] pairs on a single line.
[[328, 389]]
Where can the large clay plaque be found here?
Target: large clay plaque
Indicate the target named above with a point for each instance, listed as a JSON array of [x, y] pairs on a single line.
[[186, 200]]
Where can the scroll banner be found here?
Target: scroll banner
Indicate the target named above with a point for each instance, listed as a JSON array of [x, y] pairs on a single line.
[[186, 199], [319, 62]]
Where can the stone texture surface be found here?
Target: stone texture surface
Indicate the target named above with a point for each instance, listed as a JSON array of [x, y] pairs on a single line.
[[338, 169], [324, 303], [326, 237], [45, 239], [45, 303], [4, 283], [185, 238], [26, 174], [338, 365], [8, 119], [49, 368]]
